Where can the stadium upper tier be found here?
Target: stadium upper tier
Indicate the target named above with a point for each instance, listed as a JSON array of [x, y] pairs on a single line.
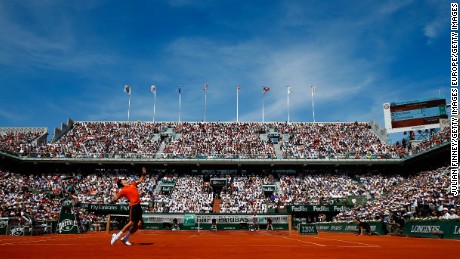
[[214, 140]]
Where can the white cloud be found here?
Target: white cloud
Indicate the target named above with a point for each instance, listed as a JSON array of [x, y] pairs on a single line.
[[52, 41], [191, 3], [10, 115], [390, 7], [431, 30], [438, 20]]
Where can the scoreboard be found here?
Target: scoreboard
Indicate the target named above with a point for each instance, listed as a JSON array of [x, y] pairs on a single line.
[[414, 115]]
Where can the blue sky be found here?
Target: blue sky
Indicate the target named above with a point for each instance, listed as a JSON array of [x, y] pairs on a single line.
[[71, 59]]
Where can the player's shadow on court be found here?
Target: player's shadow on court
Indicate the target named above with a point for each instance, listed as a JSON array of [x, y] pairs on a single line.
[[145, 244]]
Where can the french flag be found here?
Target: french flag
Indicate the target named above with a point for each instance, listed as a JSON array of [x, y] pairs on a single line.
[[266, 89], [128, 89]]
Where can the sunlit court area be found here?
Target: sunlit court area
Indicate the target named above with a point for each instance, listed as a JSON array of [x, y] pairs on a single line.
[[226, 244]]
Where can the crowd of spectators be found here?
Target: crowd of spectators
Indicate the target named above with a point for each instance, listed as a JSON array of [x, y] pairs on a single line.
[[422, 195], [101, 140], [215, 140], [317, 189], [335, 141], [17, 194], [426, 194], [18, 143], [433, 140], [189, 195], [245, 194], [41, 195], [220, 140]]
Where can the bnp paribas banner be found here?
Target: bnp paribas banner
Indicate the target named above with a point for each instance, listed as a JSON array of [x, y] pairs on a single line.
[[3, 226], [67, 224], [316, 208], [204, 221], [448, 228]]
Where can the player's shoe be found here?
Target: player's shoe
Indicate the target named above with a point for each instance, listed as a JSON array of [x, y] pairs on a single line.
[[126, 242], [114, 239]]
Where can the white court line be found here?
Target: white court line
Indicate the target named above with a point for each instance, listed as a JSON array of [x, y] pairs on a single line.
[[179, 234], [194, 236], [24, 244], [284, 246], [19, 242], [306, 242], [44, 239], [351, 242], [361, 246]]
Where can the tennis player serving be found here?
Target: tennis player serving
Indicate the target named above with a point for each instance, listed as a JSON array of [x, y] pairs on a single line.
[[130, 192]]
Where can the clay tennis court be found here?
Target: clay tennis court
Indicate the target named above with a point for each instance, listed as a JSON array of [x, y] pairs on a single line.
[[225, 244]]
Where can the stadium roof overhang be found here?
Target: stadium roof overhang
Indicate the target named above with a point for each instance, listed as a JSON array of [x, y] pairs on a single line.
[[435, 154], [204, 162]]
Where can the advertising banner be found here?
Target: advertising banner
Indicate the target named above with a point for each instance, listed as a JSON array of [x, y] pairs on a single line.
[[316, 208], [3, 226], [307, 229], [434, 228]]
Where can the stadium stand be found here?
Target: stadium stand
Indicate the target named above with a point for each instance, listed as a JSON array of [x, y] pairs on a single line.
[[211, 140], [418, 195], [38, 192]]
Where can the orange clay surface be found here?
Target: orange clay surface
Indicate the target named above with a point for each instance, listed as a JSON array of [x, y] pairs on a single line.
[[225, 244]]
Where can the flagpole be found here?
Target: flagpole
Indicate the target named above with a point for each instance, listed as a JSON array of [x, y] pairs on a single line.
[[288, 93], [128, 91], [204, 114], [263, 108], [237, 93], [265, 90], [204, 117], [313, 90], [154, 91], [154, 104], [129, 105], [180, 102]]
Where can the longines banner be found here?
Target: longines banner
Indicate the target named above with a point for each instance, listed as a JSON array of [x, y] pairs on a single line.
[[449, 228], [316, 208]]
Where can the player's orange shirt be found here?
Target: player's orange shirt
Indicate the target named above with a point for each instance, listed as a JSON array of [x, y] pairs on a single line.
[[131, 193]]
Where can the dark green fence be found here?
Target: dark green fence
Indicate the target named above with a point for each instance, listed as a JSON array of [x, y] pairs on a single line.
[[433, 228], [204, 221], [376, 227]]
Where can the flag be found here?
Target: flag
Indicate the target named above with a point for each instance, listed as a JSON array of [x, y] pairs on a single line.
[[289, 90], [128, 89], [205, 87], [313, 90], [238, 88], [266, 89], [153, 88]]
